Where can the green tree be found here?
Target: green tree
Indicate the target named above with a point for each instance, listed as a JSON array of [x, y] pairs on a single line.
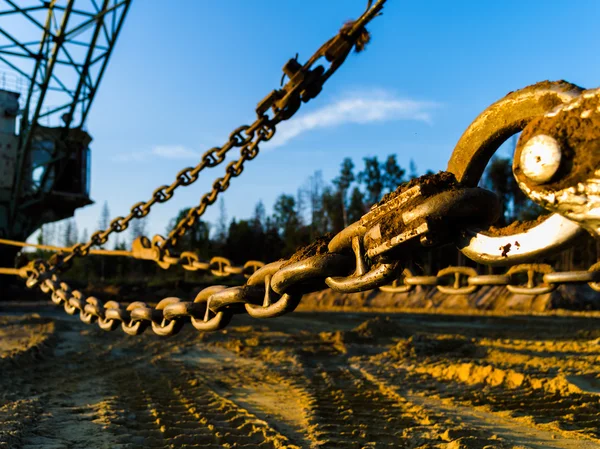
[[84, 236], [372, 178], [333, 212], [196, 238], [42, 239], [259, 218], [499, 178], [393, 175], [103, 223], [356, 207], [287, 222], [41, 236], [301, 206], [285, 215], [412, 170], [242, 242], [69, 230], [138, 227], [74, 232], [312, 191], [272, 244], [50, 236], [104, 219], [119, 245]]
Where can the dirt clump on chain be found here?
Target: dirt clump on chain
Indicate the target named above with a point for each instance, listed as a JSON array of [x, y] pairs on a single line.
[[576, 129], [516, 227], [391, 224], [430, 184], [316, 248]]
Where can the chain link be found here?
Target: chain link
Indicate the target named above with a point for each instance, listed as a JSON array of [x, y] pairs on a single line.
[[277, 288], [520, 279], [143, 249]]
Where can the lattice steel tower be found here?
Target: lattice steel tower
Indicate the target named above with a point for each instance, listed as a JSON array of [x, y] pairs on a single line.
[[53, 55]]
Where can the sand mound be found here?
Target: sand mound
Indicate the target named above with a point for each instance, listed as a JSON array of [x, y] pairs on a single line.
[[25, 339], [370, 331], [422, 345], [378, 327], [567, 297]]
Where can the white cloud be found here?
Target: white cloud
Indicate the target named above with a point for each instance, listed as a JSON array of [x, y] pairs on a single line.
[[359, 108], [130, 157], [174, 152], [161, 151]]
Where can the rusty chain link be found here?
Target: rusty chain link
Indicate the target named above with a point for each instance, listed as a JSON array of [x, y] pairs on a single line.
[[341, 262], [143, 249], [277, 288], [526, 279]]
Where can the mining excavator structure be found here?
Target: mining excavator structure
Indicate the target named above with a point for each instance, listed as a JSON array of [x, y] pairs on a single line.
[[53, 55]]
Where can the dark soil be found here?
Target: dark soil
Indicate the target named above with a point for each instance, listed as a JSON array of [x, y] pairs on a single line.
[[318, 247], [516, 227], [578, 138], [442, 180]]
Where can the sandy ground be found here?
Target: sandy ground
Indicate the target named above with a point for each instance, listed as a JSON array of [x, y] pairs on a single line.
[[307, 380]]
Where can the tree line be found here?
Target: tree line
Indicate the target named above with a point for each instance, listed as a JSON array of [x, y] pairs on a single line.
[[318, 207]]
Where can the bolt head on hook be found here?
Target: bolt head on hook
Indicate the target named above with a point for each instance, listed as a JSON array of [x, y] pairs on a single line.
[[540, 158]]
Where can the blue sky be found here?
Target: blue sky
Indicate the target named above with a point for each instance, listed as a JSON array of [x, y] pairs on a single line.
[[183, 76]]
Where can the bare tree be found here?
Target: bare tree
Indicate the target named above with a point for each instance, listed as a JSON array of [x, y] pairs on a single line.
[[138, 227], [259, 220], [222, 225], [104, 219], [67, 233], [314, 191], [343, 182], [103, 223]]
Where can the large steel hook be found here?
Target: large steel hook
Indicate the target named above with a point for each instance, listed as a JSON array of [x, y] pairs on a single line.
[[475, 148]]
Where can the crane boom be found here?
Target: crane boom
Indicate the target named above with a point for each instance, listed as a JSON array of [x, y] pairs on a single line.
[[53, 55]]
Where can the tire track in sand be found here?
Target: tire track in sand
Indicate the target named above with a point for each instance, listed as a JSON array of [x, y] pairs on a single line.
[[505, 427], [172, 408], [345, 409]]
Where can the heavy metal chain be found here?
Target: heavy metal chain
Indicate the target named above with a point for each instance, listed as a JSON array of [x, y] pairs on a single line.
[[188, 260], [370, 253], [367, 254], [525, 279], [277, 288], [305, 83]]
